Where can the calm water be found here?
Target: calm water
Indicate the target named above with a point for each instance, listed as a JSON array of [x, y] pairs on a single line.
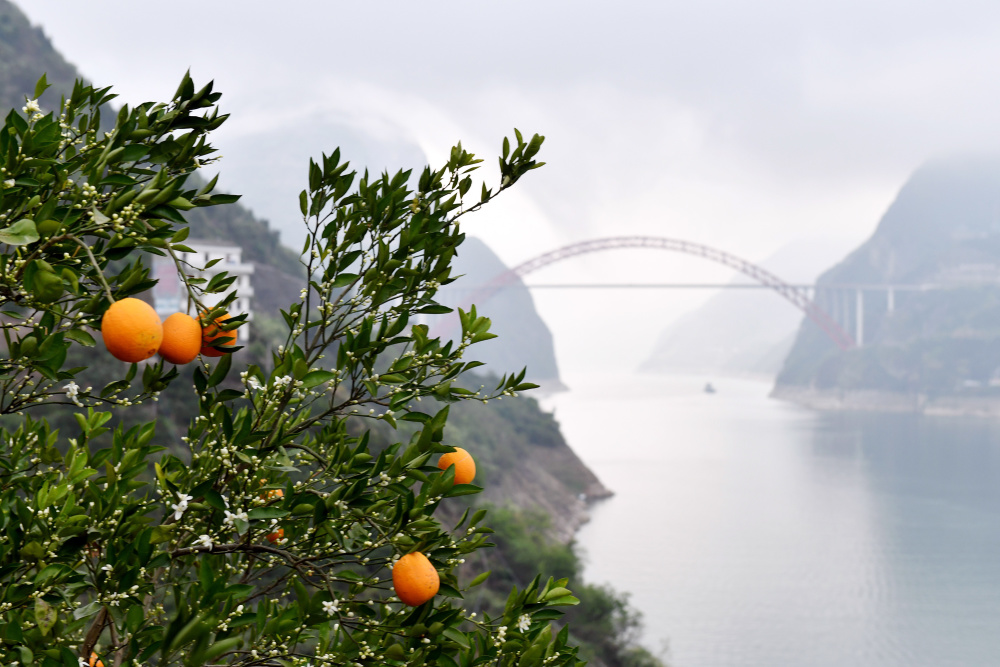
[[754, 533]]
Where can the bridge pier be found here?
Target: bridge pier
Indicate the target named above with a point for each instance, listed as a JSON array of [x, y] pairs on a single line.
[[859, 317]]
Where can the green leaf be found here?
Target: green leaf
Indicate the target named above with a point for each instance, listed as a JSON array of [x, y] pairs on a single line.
[[161, 534], [565, 600], [221, 370], [45, 615], [344, 279], [180, 235], [87, 610], [117, 179], [134, 618], [479, 579], [457, 637], [449, 591], [32, 550], [463, 490], [556, 593], [132, 153], [40, 87], [315, 378], [214, 498], [21, 232], [81, 337]]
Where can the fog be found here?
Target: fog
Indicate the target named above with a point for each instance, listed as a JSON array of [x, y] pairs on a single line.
[[742, 126]]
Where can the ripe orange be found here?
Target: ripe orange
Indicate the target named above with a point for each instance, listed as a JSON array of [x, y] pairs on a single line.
[[415, 579], [181, 339], [94, 661], [465, 466], [276, 535], [271, 494], [212, 334], [132, 330]]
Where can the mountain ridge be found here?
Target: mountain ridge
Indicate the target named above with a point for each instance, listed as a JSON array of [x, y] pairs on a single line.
[[935, 347]]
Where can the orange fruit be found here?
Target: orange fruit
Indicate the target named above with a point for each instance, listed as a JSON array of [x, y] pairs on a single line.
[[276, 535], [132, 330], [415, 579], [181, 339], [465, 466], [271, 494], [94, 661], [212, 334]]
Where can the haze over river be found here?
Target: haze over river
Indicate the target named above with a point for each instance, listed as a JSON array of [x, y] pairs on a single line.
[[751, 532]]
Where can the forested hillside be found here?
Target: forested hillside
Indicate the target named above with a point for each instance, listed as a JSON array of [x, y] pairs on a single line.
[[940, 339]]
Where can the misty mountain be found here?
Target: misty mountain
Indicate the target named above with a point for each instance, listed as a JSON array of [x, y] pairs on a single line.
[[744, 331], [943, 229], [523, 340], [26, 52]]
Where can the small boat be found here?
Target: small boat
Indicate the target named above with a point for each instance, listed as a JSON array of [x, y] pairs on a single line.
[[709, 389]]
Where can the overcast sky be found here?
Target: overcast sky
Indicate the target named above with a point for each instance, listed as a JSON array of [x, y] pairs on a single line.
[[741, 125]]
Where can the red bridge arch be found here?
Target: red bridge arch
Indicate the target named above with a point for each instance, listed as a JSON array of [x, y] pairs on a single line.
[[797, 296]]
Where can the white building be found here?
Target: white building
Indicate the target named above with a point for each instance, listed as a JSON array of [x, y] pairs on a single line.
[[169, 295]]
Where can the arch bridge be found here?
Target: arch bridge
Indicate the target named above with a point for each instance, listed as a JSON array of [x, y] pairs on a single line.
[[797, 296]]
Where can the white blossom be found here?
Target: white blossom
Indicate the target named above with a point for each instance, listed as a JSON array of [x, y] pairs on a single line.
[[231, 518], [523, 622], [181, 506], [204, 541], [31, 107], [331, 608], [9, 183], [255, 384], [72, 390]]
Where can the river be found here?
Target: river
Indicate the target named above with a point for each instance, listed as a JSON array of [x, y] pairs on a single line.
[[754, 533]]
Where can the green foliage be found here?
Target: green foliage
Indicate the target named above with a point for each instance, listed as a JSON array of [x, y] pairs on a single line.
[[527, 548], [270, 540], [608, 628]]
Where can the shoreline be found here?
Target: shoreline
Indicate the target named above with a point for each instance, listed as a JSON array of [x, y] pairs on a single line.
[[885, 401]]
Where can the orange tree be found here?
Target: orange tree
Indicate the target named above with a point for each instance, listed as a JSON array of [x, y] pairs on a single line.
[[269, 537]]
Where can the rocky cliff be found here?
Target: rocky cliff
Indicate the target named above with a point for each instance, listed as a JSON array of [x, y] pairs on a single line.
[[523, 337]]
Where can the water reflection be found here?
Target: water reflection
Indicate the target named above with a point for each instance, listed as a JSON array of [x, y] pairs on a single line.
[[932, 482], [752, 532]]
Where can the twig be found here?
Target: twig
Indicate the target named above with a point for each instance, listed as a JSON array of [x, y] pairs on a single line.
[[93, 260]]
